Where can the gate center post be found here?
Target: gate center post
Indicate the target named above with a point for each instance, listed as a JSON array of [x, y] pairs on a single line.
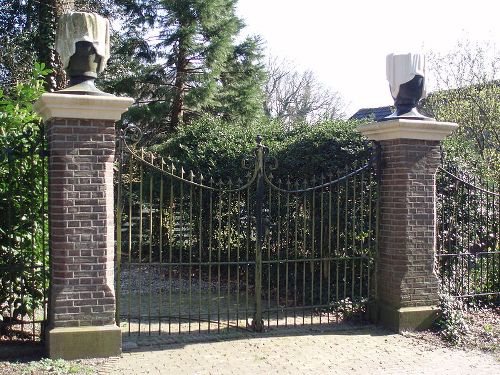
[[258, 323]]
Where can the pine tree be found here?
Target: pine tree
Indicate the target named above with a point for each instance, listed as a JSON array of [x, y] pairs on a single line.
[[240, 96], [179, 59]]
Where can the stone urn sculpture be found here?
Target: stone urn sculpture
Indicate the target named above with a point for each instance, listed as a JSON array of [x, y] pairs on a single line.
[[406, 76], [82, 41]]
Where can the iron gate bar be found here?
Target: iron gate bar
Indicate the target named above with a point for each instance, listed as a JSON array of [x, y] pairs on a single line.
[[160, 228], [170, 238]]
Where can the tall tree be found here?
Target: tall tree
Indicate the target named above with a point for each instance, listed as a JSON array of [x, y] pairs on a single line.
[[18, 30], [240, 94], [179, 59]]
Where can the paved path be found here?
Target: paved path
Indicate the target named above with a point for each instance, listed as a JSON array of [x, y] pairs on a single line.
[[365, 350]]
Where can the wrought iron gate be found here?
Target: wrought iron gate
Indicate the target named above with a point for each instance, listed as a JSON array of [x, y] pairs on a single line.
[[468, 229], [194, 254]]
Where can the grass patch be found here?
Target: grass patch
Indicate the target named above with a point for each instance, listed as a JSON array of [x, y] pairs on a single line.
[[56, 367]]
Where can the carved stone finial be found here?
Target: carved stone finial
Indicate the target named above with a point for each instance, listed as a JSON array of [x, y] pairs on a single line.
[[406, 76], [82, 41]]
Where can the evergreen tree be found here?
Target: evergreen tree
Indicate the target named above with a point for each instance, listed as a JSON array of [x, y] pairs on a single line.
[[240, 97], [18, 30], [179, 59]]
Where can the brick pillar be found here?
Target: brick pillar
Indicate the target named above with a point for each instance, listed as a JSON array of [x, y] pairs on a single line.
[[407, 286], [81, 143]]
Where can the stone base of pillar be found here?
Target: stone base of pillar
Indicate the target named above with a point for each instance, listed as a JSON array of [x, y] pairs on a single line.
[[403, 318], [84, 342]]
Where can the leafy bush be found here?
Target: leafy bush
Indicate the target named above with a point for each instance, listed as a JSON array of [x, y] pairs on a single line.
[[451, 322], [22, 199]]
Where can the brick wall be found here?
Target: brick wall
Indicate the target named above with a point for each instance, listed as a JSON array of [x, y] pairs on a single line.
[[81, 221], [406, 275]]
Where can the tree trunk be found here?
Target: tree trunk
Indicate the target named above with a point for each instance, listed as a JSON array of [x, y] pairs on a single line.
[[177, 112], [48, 14]]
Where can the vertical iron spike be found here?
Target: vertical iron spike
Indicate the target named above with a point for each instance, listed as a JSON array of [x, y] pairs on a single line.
[[191, 175], [201, 177]]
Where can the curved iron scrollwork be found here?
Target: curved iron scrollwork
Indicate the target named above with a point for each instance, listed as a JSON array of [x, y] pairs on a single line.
[[131, 134]]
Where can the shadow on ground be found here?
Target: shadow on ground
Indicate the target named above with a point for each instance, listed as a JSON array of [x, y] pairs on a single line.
[[21, 351], [154, 341]]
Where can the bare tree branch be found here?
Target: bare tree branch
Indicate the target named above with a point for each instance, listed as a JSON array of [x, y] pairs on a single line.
[[293, 96]]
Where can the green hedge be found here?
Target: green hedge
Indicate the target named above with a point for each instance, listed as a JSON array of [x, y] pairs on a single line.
[[216, 148]]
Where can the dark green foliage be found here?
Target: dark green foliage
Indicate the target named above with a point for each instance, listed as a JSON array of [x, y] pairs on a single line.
[[22, 201], [240, 98], [27, 35], [18, 35], [451, 322], [216, 148]]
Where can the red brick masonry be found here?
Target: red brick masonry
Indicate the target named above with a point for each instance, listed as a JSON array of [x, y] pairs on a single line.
[[406, 275], [81, 220]]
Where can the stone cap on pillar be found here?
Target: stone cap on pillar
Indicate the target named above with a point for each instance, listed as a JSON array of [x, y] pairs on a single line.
[[427, 130], [90, 107]]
